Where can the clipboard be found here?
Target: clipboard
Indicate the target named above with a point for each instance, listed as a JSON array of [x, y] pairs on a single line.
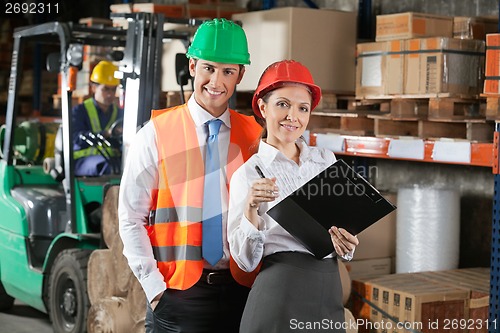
[[337, 196]]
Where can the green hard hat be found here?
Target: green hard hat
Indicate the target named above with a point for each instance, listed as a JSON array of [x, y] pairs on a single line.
[[222, 41]]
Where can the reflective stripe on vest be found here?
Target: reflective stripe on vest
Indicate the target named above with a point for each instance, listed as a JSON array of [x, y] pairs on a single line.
[[95, 123], [175, 229]]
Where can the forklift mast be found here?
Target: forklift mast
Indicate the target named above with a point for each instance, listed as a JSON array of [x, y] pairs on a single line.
[[141, 66]]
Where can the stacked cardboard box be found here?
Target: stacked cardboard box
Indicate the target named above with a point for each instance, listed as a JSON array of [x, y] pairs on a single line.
[[415, 54], [420, 66], [492, 70], [427, 301], [377, 246], [492, 77], [444, 65], [167, 10], [474, 27], [323, 40], [196, 9], [91, 56], [477, 281], [380, 68], [412, 25]]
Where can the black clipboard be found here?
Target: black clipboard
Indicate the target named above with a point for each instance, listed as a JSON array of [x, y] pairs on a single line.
[[337, 196]]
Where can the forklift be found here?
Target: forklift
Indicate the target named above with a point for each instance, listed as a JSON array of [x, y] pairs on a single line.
[[50, 220]]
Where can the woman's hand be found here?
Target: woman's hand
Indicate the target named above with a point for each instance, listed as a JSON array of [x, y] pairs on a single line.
[[262, 190], [343, 241]]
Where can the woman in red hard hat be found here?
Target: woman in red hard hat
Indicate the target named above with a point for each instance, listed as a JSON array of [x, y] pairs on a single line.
[[294, 290]]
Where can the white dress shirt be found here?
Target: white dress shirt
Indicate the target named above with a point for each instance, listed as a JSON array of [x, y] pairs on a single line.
[[140, 178], [249, 244]]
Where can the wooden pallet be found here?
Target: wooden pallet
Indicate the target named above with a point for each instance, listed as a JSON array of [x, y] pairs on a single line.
[[342, 122], [434, 106], [423, 116], [448, 108], [492, 106], [409, 108], [331, 101], [456, 108], [479, 130]]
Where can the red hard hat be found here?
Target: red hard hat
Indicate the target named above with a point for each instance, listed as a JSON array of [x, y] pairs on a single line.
[[282, 72]]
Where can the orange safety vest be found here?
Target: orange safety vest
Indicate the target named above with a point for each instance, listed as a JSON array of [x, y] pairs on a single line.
[[175, 226]]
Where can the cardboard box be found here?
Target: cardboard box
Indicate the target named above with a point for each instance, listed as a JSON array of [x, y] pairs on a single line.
[[477, 282], [444, 65], [369, 267], [167, 10], [212, 11], [474, 27], [380, 68], [379, 240], [168, 78], [492, 69], [121, 8], [411, 299], [323, 40], [412, 25], [360, 309], [93, 21]]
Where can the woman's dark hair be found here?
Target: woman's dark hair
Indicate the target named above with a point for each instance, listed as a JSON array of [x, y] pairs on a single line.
[[262, 121]]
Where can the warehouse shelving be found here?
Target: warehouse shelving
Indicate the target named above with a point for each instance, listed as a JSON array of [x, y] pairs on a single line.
[[481, 155]]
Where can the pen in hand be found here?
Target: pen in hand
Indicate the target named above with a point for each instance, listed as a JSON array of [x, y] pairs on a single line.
[[261, 175], [259, 171]]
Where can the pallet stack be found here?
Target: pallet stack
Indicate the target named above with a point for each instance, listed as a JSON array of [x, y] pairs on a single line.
[[416, 80], [91, 57], [492, 73], [118, 303]]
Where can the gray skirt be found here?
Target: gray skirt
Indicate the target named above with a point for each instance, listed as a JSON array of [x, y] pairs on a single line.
[[295, 292]]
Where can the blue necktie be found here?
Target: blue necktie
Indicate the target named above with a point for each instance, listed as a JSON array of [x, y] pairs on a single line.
[[212, 208]]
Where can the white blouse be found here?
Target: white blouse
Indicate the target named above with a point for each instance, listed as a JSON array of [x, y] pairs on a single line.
[[248, 245]]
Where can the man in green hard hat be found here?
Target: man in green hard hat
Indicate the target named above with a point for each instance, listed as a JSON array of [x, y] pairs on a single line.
[[174, 193]]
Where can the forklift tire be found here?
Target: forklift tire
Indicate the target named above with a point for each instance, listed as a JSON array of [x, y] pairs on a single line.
[[68, 301], [6, 301]]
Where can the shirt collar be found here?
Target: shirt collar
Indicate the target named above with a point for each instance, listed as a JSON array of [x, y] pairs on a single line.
[[306, 153], [98, 108], [201, 116], [268, 153]]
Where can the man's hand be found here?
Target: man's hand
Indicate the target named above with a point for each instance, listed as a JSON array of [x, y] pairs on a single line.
[[156, 300]]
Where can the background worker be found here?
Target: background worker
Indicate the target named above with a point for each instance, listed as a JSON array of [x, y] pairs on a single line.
[[292, 284], [173, 194], [95, 116]]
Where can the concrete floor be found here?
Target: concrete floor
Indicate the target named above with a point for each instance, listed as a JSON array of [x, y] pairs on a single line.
[[24, 319]]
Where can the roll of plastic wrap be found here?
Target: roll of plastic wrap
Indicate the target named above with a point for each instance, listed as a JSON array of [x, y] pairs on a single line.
[[428, 229]]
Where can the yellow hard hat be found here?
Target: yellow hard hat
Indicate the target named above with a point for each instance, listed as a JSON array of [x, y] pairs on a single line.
[[103, 73]]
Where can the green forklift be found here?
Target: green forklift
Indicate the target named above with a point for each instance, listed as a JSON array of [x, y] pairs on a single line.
[[50, 219]]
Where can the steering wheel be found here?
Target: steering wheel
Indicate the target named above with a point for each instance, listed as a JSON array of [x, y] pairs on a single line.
[[116, 129]]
